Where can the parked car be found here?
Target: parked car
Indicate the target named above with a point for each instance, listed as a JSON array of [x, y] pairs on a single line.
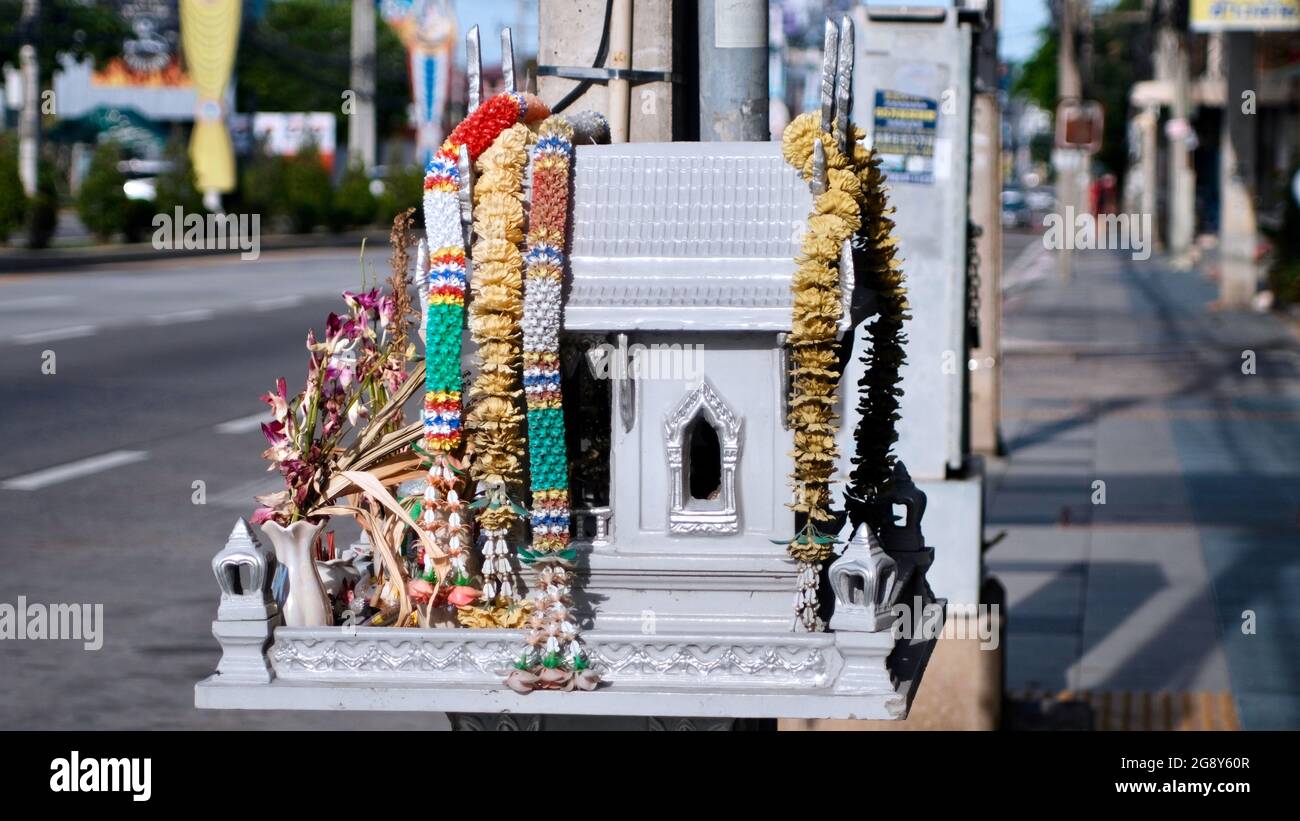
[[1015, 210], [1041, 199]]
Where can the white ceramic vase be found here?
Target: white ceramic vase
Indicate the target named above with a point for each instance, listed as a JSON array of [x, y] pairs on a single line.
[[306, 604]]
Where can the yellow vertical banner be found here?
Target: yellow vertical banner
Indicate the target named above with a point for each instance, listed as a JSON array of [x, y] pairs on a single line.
[[209, 36]]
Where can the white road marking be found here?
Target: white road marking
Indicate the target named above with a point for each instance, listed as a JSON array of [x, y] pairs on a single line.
[[26, 303], [242, 497], [244, 424], [177, 317], [72, 332], [74, 470], [277, 303]]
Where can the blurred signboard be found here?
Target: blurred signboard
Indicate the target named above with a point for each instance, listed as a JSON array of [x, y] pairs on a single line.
[[1079, 125], [904, 136], [150, 54], [1245, 15], [285, 133]]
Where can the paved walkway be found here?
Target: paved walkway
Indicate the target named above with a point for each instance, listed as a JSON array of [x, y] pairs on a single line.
[[1150, 496]]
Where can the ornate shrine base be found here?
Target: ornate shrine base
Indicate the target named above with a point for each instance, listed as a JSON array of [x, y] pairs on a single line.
[[687, 676]]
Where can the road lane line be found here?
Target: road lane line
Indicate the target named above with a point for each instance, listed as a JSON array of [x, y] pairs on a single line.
[[277, 303], [72, 332], [26, 303], [177, 317], [74, 470], [244, 424]]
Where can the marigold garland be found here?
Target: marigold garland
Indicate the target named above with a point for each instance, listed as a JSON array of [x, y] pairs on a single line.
[[442, 510], [817, 310], [495, 422]]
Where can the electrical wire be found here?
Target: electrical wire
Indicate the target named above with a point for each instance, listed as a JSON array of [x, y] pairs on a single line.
[[601, 53]]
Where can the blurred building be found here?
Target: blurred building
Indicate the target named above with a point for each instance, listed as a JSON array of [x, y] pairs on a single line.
[[1211, 77]]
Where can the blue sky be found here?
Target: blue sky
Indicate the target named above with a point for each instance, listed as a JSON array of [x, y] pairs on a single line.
[[1021, 20]]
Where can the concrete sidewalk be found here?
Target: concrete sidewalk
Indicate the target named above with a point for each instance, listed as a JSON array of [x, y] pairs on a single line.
[[1150, 495]]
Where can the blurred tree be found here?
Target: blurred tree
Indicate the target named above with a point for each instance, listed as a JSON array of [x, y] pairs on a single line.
[[403, 187], [101, 201], [309, 196], [13, 202], [297, 58], [354, 205], [175, 186], [82, 30], [1121, 56], [43, 209]]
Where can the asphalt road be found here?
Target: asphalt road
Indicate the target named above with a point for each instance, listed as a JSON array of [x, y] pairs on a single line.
[[157, 372]]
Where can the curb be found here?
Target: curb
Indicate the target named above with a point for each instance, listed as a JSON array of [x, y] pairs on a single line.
[[57, 259]]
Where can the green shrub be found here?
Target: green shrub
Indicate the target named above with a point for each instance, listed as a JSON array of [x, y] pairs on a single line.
[[101, 202], [176, 185], [309, 195], [403, 189], [43, 209], [262, 188], [354, 205], [13, 200]]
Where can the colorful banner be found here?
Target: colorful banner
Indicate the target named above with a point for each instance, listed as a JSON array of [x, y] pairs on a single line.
[[1245, 15], [151, 53], [209, 35], [428, 29]]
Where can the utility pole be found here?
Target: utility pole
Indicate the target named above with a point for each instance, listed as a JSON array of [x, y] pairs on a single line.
[[644, 102], [733, 71], [361, 119], [986, 212], [1180, 199], [1070, 162], [29, 120], [1237, 226]]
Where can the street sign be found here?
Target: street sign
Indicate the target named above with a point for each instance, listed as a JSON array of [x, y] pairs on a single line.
[[1079, 125], [1245, 15]]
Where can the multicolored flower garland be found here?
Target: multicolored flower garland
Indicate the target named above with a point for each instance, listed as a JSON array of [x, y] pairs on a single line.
[[554, 657], [836, 217], [443, 512], [495, 421], [547, 462]]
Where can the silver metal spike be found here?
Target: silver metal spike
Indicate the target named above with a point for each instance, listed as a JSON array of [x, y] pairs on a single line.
[[508, 59], [844, 83], [819, 182], [830, 54], [466, 195], [474, 69]]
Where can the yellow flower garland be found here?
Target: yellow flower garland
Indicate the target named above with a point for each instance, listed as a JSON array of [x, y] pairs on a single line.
[[495, 418], [817, 309]]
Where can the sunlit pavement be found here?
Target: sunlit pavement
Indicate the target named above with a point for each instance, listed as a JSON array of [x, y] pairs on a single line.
[[1120, 387]]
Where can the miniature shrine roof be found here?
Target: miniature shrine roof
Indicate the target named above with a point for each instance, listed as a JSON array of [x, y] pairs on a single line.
[[684, 236]]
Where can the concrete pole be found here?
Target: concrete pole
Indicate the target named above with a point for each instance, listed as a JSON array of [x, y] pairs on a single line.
[[1180, 198], [361, 121], [986, 212], [568, 34], [1069, 86], [733, 70], [1237, 227], [29, 119], [1150, 125]]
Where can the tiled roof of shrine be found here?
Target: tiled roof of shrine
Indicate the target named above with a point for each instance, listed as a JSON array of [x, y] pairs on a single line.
[[684, 236]]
